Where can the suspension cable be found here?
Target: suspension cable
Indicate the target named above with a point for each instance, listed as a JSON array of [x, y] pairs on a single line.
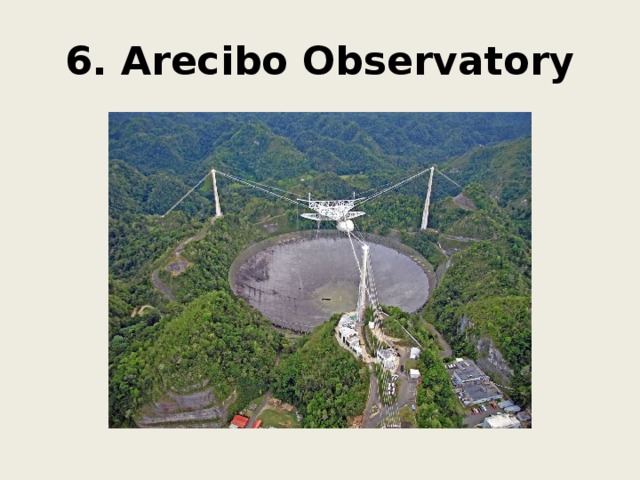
[[257, 183], [390, 410], [386, 188], [392, 187], [355, 255], [185, 195], [261, 187], [269, 189], [452, 181]]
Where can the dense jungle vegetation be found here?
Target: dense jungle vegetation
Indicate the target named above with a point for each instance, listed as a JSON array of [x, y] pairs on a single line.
[[322, 379]]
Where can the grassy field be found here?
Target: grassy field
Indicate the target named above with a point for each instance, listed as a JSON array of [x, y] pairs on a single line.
[[278, 419]]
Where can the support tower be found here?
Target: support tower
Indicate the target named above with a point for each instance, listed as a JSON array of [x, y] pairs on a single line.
[[425, 214], [215, 194], [362, 295]]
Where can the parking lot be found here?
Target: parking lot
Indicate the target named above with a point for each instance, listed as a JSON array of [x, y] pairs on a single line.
[[471, 419]]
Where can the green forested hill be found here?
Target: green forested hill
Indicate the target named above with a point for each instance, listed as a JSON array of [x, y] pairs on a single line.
[[216, 342], [403, 137], [504, 171], [326, 142], [323, 379], [486, 293], [154, 159], [212, 256], [172, 142], [132, 192]]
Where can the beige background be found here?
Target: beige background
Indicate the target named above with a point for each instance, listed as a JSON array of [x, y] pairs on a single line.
[[54, 236]]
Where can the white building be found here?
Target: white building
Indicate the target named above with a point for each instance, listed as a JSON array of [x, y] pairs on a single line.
[[347, 320], [413, 373], [346, 333], [415, 353], [501, 420], [387, 358]]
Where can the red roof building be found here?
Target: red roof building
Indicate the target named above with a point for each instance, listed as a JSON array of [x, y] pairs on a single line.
[[239, 421], [257, 424]]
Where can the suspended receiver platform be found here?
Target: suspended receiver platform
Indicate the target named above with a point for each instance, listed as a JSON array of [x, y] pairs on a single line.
[[338, 211]]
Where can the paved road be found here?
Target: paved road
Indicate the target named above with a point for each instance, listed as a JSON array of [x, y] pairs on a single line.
[[460, 238], [159, 284], [406, 396], [444, 346], [258, 410], [374, 399]]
